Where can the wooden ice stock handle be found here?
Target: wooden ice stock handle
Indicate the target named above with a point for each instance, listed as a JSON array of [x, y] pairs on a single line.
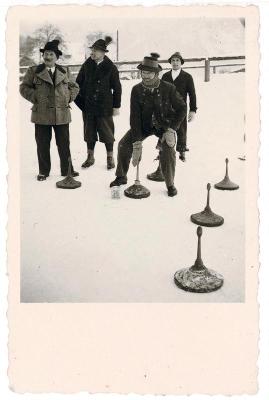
[[137, 171]]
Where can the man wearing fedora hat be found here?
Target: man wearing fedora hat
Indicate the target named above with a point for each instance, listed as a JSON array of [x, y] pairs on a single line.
[[184, 84], [156, 108], [49, 88], [99, 99]]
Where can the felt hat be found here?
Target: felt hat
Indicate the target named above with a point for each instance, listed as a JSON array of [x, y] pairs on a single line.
[[176, 55], [101, 44], [150, 63], [52, 46]]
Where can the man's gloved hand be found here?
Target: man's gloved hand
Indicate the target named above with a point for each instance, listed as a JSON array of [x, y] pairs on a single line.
[[169, 137], [137, 153]]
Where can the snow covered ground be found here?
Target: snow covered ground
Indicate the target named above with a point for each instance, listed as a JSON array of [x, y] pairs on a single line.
[[83, 246]]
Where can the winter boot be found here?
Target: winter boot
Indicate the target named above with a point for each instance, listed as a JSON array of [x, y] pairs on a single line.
[[41, 177], [90, 159], [120, 180], [182, 156], [172, 191], [157, 175], [110, 160]]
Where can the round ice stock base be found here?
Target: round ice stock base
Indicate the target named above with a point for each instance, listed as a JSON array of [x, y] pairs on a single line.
[[226, 183], [207, 217], [198, 278], [204, 281], [137, 191], [69, 182]]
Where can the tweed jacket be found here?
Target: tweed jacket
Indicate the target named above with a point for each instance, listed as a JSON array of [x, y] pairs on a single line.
[[51, 100]]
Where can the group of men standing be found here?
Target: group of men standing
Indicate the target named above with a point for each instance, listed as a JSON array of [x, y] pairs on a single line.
[[158, 107]]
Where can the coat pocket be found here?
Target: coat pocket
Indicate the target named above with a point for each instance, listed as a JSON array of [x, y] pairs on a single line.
[[37, 81]]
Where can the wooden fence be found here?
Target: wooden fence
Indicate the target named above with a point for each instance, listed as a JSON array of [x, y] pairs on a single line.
[[211, 64]]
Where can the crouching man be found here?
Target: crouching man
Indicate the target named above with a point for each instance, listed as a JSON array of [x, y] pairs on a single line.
[[156, 109], [49, 88]]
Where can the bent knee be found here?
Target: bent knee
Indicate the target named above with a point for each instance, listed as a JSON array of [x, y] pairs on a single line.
[[168, 149]]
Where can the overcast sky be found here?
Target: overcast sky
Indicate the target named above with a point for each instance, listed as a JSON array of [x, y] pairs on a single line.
[[193, 37]]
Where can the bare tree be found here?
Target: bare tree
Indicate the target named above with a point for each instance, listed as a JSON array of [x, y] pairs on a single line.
[[93, 36], [27, 48], [47, 33]]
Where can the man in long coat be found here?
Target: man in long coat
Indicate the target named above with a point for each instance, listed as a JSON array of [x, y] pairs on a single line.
[[99, 99], [156, 108], [49, 88], [184, 84]]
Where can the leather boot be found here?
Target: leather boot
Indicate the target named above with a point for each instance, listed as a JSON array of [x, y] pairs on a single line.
[[120, 180], [172, 191], [110, 160], [157, 175], [90, 159], [182, 156]]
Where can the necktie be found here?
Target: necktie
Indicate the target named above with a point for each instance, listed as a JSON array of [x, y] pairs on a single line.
[[51, 74]]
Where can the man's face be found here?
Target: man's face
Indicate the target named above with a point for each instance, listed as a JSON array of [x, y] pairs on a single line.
[[147, 76], [97, 55], [176, 63], [49, 58]]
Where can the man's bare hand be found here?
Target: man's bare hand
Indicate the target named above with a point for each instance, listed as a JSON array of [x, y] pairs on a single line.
[[191, 116], [116, 111]]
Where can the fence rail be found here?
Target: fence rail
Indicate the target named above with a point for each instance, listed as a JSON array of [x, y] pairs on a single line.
[[133, 73]]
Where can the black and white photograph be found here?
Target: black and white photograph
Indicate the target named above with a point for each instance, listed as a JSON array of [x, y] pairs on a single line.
[[145, 122], [133, 252]]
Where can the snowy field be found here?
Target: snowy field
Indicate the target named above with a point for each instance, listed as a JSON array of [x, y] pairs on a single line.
[[83, 246]]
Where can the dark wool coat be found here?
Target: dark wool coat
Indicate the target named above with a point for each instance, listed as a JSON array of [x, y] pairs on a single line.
[[50, 100], [165, 102], [185, 86], [100, 87]]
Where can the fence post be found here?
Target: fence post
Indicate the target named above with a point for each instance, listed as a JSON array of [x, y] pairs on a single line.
[[207, 70]]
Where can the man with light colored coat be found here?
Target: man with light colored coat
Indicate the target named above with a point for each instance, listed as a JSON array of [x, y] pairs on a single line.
[[49, 88]]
